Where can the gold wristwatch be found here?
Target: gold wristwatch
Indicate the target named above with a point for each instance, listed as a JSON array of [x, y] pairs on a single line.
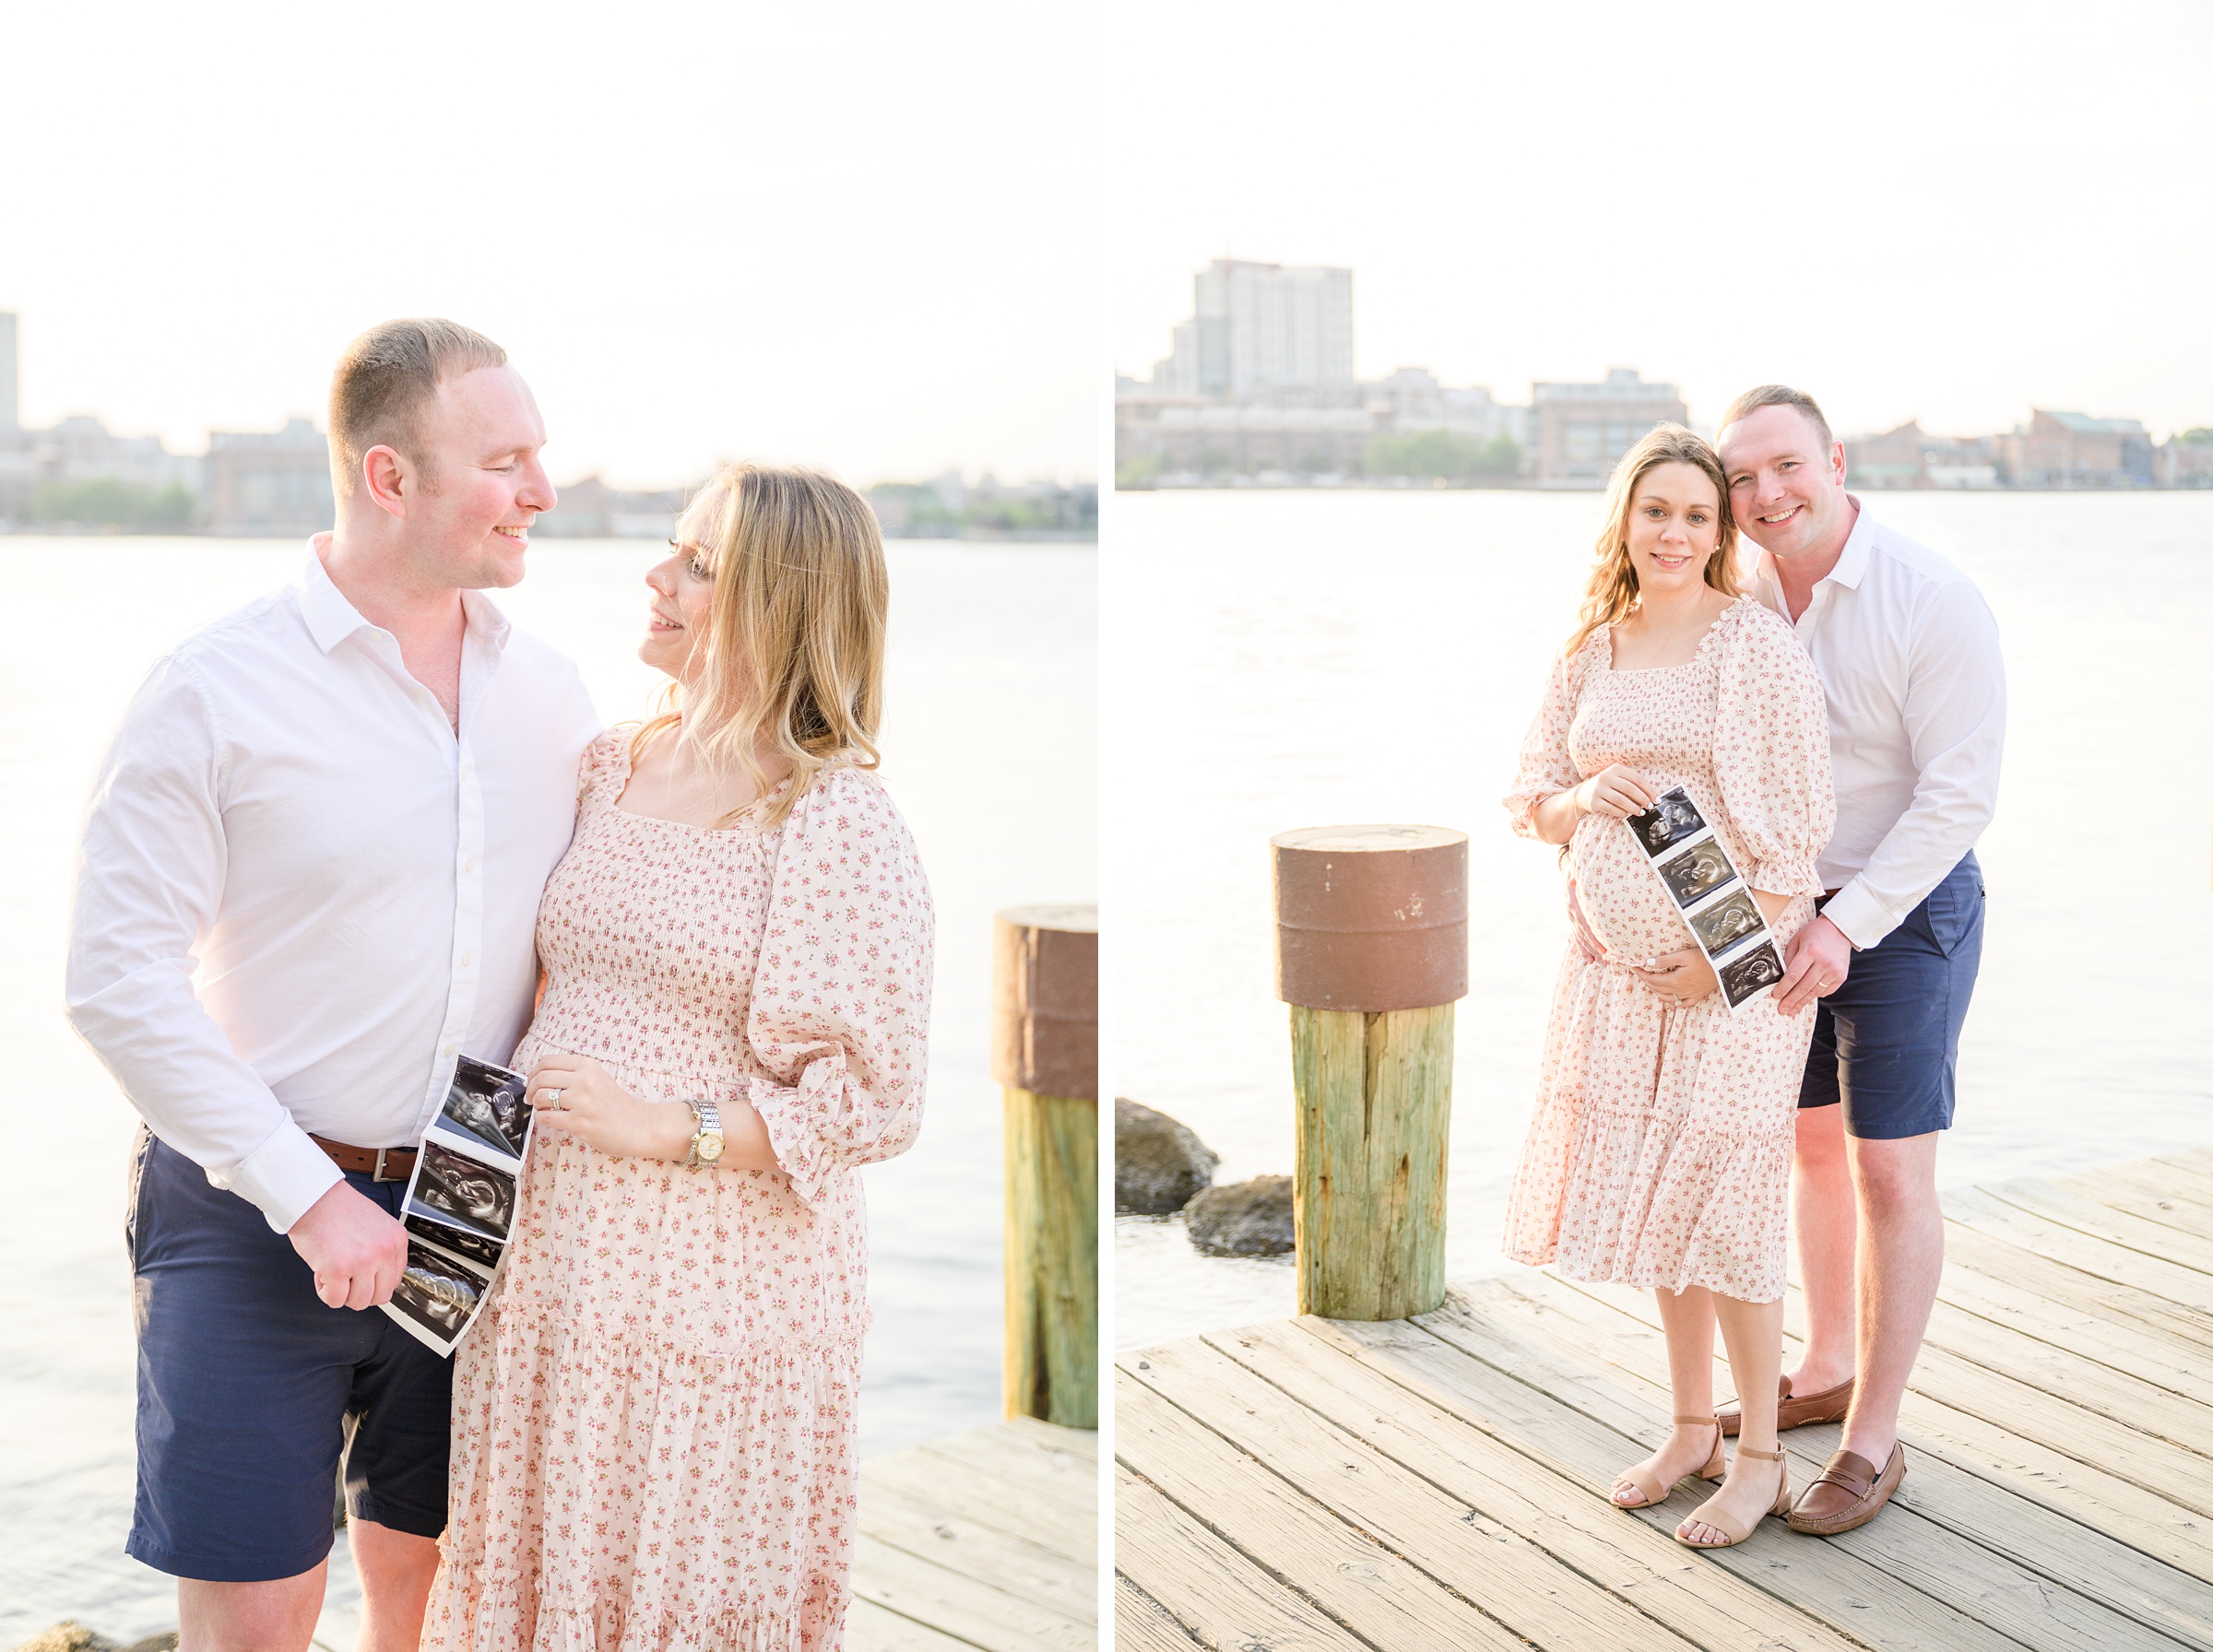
[[707, 1140]]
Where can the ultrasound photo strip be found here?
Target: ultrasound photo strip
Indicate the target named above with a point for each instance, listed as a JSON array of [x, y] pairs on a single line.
[[460, 1201], [1726, 924]]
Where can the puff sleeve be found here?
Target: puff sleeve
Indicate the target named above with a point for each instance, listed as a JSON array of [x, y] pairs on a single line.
[[1770, 752], [840, 1010], [1546, 766]]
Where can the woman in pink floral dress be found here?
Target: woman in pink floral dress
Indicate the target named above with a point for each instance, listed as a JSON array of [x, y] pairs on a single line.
[[654, 1425], [1659, 1153]]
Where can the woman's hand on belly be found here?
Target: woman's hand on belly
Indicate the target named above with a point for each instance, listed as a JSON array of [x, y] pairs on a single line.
[[599, 1112], [1682, 977], [1617, 790]]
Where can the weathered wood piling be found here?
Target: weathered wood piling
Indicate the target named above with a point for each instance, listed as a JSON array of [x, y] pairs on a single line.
[[1371, 955], [1044, 1054]]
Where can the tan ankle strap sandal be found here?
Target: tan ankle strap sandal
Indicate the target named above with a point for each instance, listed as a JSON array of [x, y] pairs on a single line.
[[1648, 1485], [1706, 1514]]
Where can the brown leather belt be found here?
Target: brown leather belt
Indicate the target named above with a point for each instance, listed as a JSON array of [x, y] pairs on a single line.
[[378, 1163]]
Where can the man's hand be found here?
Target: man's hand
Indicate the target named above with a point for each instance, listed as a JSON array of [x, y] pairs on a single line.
[[1819, 960], [1585, 937], [357, 1252], [1682, 977]]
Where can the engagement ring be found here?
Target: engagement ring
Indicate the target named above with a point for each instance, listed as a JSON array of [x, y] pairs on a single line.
[[553, 1099]]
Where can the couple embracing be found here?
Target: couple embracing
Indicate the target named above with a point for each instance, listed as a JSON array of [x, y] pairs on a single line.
[[1836, 714], [362, 828]]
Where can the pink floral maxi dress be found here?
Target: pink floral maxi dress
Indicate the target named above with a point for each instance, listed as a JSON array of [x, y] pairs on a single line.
[[1659, 1152], [654, 1426]]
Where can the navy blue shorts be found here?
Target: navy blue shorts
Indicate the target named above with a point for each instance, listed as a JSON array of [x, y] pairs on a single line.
[[1886, 1043], [251, 1391]]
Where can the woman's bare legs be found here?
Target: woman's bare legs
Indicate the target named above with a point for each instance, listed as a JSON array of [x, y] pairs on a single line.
[[1752, 1333], [1688, 1318]]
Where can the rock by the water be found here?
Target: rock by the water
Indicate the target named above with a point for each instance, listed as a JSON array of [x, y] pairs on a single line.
[[69, 1635], [1159, 1166], [1246, 1219]]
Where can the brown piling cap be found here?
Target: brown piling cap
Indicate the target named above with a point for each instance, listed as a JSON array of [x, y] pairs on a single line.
[[1371, 917], [1045, 999]]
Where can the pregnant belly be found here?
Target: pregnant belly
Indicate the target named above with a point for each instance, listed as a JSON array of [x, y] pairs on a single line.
[[1624, 902]]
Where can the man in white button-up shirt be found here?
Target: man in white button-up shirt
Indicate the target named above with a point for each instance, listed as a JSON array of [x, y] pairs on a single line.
[[1908, 656], [310, 879]]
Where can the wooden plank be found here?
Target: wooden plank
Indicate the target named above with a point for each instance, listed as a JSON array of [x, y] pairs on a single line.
[[2057, 1204], [1532, 1593], [1636, 1558], [2070, 1380], [1043, 1470], [1142, 1625], [1077, 1442], [960, 1607], [1995, 1258], [2174, 1178], [2116, 1341], [873, 1628], [972, 1549], [1361, 1584], [1203, 1586], [2155, 1193], [1971, 1538], [1821, 1578], [990, 1501], [2199, 1160], [2100, 1258]]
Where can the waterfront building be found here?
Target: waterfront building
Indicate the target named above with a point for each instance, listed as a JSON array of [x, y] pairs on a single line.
[[2187, 459], [589, 509], [1892, 458], [1157, 438], [269, 482], [2073, 450], [1578, 431], [1264, 332]]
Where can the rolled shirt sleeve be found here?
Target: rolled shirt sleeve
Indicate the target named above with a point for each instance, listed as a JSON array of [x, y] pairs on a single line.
[[840, 1010], [1955, 723], [149, 884]]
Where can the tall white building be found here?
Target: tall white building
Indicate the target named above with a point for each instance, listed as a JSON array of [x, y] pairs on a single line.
[[1264, 332], [11, 407]]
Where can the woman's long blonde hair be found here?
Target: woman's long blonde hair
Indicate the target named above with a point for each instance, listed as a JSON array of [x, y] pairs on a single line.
[[795, 640], [1611, 596]]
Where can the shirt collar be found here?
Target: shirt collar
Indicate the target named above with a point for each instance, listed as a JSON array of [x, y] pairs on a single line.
[[331, 619]]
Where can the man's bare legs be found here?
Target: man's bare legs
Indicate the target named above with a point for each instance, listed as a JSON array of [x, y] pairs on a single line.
[[1752, 1333], [395, 1567], [278, 1616], [1900, 1262], [1825, 1232], [1688, 1319]]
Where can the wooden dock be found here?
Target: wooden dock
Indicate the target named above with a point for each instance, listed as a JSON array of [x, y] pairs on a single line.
[[1441, 1481], [984, 1540]]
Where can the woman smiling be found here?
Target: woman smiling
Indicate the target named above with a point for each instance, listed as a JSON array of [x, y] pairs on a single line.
[[1659, 1152], [653, 1434]]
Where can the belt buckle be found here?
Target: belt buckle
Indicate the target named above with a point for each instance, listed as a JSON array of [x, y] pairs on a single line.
[[378, 1174]]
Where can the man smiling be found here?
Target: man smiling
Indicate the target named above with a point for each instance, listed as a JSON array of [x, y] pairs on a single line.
[[309, 881], [1907, 656]]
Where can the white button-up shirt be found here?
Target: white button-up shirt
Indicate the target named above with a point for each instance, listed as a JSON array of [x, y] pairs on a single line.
[[301, 896], [1908, 655]]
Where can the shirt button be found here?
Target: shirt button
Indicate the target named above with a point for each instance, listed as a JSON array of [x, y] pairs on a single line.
[[452, 1049], [470, 864], [467, 959]]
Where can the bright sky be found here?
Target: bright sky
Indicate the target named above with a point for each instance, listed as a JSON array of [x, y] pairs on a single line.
[[1939, 209], [862, 235]]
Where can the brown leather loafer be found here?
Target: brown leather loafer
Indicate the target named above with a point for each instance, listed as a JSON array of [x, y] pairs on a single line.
[[1848, 1493], [1792, 1411]]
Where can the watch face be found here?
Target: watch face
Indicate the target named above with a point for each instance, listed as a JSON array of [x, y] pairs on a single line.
[[710, 1147]]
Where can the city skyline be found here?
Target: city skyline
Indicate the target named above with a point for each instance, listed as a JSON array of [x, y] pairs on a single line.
[[1914, 211], [690, 254]]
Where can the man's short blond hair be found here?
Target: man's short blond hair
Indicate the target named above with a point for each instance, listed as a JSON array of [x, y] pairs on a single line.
[[1779, 396], [382, 380]]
